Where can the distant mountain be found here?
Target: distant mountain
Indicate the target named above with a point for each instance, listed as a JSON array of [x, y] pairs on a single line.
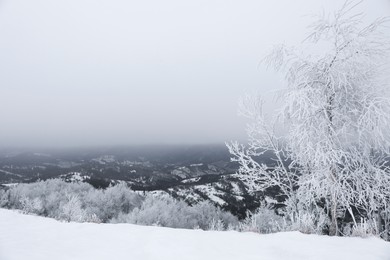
[[191, 173]]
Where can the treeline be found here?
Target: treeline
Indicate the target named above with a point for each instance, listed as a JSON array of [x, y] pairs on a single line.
[[81, 202]]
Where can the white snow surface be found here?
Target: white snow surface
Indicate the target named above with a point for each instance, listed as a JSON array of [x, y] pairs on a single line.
[[32, 238]]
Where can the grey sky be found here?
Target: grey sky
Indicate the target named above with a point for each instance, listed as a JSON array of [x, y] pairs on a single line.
[[94, 72]]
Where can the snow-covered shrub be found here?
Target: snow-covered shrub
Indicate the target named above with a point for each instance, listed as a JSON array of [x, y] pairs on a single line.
[[216, 225], [52, 194], [120, 198], [365, 228], [307, 222], [71, 201], [160, 211], [108, 204], [31, 206], [264, 220], [3, 198], [206, 213], [72, 210], [168, 212]]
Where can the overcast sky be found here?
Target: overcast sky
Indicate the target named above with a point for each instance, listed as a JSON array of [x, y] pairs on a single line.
[[102, 72]]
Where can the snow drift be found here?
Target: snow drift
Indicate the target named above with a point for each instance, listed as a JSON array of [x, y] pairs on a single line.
[[31, 237]]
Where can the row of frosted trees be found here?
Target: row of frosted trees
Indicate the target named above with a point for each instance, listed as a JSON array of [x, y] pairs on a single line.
[[81, 202]]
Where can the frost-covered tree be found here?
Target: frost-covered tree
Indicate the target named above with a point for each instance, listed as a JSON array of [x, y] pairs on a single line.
[[335, 115]]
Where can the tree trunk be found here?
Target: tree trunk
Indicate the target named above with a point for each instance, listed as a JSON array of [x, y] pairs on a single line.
[[333, 228]]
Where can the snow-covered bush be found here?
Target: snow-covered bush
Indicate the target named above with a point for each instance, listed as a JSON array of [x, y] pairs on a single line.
[[206, 213], [216, 225], [3, 198], [264, 220], [72, 210], [364, 228], [168, 212], [307, 222], [71, 201], [31, 206], [51, 195], [108, 204], [160, 211]]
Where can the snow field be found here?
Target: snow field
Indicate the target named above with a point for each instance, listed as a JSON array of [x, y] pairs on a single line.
[[24, 237]]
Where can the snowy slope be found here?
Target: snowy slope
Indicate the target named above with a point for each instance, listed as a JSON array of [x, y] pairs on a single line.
[[25, 237]]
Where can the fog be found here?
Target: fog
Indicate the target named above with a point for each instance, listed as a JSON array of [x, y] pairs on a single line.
[[94, 72]]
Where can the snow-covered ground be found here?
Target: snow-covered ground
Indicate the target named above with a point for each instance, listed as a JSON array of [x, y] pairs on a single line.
[[24, 237]]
